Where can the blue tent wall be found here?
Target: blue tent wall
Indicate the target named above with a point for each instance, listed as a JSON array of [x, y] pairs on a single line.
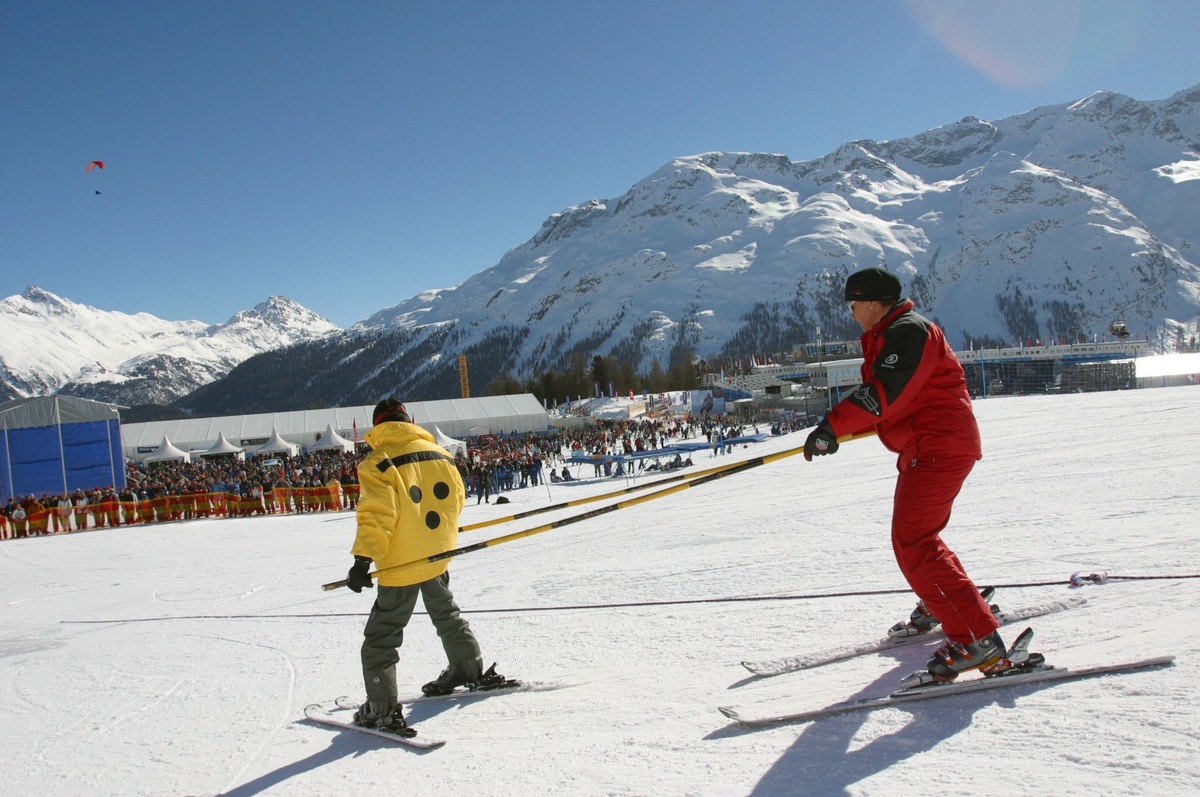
[[37, 460], [92, 455]]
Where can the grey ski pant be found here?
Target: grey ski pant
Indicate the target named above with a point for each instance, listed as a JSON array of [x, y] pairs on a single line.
[[384, 634]]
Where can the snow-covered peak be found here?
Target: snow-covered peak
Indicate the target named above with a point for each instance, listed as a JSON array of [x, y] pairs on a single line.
[[51, 343], [1080, 212]]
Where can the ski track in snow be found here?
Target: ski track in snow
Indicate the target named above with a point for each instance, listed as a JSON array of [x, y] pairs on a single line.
[[285, 713]]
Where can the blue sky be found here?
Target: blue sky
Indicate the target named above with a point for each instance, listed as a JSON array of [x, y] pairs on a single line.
[[352, 154]]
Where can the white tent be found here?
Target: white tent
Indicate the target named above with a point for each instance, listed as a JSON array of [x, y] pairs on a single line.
[[449, 443], [331, 441], [168, 452], [276, 445], [224, 448], [455, 417]]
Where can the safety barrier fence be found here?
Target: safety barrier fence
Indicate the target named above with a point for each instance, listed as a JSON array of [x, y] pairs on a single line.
[[185, 506]]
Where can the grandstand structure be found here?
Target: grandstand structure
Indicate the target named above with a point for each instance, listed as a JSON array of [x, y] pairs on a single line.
[[812, 387]]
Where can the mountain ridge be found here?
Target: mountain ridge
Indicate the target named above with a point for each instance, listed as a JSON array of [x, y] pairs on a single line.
[[1046, 225], [53, 345]]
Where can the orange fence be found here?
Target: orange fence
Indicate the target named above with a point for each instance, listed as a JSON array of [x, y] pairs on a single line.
[[187, 506]]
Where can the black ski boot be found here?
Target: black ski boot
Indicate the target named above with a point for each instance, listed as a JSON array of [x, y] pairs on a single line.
[[377, 715], [451, 678], [454, 676]]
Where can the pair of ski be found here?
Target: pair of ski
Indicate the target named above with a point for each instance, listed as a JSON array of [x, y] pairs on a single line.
[[1034, 671], [339, 714]]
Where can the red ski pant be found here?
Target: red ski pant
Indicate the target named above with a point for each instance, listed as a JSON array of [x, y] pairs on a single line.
[[925, 493]]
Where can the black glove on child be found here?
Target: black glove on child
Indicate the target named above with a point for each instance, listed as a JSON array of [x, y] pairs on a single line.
[[821, 441], [360, 574]]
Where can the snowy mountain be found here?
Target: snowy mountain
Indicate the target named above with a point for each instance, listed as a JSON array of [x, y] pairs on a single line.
[[51, 344], [1046, 225]]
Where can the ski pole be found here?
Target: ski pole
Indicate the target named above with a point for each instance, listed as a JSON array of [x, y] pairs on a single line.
[[696, 480]]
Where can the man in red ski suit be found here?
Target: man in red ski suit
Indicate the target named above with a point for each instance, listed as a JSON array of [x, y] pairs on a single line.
[[914, 395]]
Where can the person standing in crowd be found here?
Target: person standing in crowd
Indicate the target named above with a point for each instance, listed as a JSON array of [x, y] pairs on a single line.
[[914, 395], [62, 513], [483, 488], [19, 520], [408, 510], [81, 510]]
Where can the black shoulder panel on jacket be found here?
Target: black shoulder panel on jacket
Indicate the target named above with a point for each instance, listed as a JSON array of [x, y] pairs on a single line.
[[903, 347], [410, 459]]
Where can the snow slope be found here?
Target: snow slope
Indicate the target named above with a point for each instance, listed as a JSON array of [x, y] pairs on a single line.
[[176, 660]]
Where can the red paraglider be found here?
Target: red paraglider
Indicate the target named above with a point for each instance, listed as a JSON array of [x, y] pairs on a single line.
[[93, 165]]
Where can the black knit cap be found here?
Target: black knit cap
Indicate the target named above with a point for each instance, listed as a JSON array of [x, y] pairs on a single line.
[[389, 410], [872, 285]]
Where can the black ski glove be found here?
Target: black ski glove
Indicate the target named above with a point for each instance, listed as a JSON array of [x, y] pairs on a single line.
[[821, 441], [360, 574]]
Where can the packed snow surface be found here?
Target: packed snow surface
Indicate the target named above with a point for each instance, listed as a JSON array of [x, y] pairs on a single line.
[[177, 659]]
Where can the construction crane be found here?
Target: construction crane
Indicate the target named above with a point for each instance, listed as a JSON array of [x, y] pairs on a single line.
[[463, 383]]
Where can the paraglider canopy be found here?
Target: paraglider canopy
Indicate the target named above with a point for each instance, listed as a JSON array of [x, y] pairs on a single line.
[[93, 165]]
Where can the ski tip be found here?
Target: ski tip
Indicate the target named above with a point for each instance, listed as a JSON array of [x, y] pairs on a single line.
[[730, 712]]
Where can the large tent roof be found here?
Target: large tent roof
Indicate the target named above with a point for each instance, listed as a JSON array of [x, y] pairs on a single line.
[[454, 417], [31, 413]]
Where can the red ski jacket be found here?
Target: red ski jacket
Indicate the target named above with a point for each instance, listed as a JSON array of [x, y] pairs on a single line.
[[913, 394]]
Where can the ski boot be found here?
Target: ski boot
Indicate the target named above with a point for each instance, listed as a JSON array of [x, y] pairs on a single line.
[[922, 622], [952, 658], [376, 715], [453, 677]]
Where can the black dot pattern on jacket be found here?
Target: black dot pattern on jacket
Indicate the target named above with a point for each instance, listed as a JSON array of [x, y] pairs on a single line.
[[441, 491]]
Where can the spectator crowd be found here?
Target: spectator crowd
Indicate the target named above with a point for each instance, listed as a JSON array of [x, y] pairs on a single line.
[[327, 481]]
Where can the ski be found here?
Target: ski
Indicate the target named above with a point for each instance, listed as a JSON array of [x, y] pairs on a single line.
[[1009, 679], [807, 661], [317, 712], [458, 694]]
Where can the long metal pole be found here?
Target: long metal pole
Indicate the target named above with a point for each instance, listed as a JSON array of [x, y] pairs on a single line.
[[695, 480], [62, 455]]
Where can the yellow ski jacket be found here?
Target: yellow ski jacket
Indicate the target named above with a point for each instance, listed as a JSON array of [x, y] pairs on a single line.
[[410, 501]]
